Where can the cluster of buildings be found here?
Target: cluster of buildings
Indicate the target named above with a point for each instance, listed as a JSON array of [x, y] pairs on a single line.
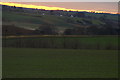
[[45, 12]]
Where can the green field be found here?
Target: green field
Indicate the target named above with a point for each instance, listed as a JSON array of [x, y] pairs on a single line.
[[59, 63], [30, 21], [33, 21]]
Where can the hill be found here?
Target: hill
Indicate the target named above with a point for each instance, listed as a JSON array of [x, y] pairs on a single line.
[[62, 21], [13, 30]]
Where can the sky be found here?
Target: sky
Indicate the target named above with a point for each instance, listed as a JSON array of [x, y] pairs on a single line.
[[60, 0], [99, 6], [92, 6]]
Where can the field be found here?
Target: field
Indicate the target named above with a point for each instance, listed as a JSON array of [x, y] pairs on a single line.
[[60, 57], [33, 21], [59, 63], [30, 21]]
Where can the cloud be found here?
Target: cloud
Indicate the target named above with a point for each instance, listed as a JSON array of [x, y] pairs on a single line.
[[60, 0]]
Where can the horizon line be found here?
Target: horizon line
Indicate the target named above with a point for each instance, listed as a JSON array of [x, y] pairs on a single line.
[[51, 8]]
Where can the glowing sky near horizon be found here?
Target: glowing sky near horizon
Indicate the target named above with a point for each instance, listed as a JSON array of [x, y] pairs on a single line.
[[105, 7]]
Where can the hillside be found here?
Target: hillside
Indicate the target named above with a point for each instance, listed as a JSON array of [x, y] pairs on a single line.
[[33, 19], [13, 30]]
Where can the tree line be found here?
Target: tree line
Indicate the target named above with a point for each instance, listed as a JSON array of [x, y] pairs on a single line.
[[50, 29]]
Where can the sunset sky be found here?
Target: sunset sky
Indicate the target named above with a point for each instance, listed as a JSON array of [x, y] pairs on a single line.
[[110, 7]]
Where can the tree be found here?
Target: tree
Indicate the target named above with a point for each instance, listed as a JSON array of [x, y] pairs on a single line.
[[80, 14], [92, 30], [46, 29], [51, 12], [75, 31], [68, 32]]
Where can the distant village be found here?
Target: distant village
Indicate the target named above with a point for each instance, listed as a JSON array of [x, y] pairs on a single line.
[[46, 12]]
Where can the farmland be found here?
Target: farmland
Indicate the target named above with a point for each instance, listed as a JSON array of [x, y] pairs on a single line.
[[58, 57], [55, 46], [19, 21], [59, 63]]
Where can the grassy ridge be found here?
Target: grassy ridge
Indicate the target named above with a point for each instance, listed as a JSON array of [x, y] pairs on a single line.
[[95, 42], [31, 21], [61, 63]]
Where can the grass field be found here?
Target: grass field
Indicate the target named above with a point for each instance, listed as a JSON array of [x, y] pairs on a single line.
[[33, 21], [59, 63]]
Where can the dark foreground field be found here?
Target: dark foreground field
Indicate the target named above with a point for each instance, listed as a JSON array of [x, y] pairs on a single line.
[[59, 63]]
